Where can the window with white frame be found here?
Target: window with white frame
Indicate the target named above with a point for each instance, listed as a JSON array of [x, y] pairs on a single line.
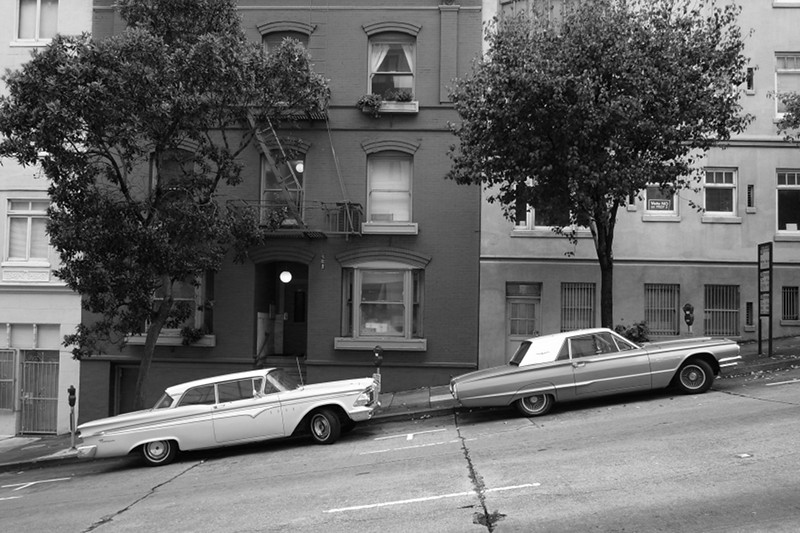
[[788, 191], [284, 189], [37, 20], [661, 313], [523, 302], [539, 215], [392, 59], [389, 177], [27, 237], [787, 78], [382, 301], [660, 201], [577, 306], [720, 191]]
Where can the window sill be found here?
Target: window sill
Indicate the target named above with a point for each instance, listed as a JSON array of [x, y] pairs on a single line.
[[790, 322], [661, 218], [779, 3], [399, 107], [387, 343], [789, 236], [206, 341], [547, 233], [749, 328], [29, 44], [390, 228], [34, 272], [720, 219], [750, 210]]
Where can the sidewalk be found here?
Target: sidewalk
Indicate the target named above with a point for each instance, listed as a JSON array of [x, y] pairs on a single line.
[[27, 452]]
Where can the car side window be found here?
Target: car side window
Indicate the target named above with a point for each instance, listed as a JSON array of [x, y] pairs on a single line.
[[604, 343], [202, 395], [596, 344], [240, 389]]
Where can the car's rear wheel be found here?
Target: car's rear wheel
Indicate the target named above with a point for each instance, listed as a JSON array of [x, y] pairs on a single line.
[[695, 376], [159, 452], [325, 426], [536, 405]]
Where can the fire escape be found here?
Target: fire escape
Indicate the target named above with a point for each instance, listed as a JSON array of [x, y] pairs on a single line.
[[304, 219]]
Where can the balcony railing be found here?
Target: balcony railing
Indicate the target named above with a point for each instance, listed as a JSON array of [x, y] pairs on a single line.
[[316, 220]]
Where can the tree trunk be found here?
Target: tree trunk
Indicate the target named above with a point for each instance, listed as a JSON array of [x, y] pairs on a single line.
[[153, 331], [607, 292]]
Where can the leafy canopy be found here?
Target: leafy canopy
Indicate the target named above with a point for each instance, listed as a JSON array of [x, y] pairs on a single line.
[[140, 135], [574, 111]]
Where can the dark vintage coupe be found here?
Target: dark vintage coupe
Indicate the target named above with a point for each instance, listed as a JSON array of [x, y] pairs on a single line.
[[593, 362]]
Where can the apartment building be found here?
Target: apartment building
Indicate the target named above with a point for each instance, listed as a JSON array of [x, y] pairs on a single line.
[[379, 249], [36, 309], [667, 253]]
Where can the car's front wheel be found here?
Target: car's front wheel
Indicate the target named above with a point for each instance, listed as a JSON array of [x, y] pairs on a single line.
[[695, 376], [325, 426], [536, 405], [159, 452]]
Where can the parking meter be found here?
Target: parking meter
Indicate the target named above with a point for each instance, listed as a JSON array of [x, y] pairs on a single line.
[[688, 314], [71, 400]]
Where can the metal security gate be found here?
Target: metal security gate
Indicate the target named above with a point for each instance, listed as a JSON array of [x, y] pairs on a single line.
[[39, 405]]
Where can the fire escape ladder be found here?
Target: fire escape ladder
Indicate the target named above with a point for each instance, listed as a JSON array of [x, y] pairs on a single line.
[[282, 180]]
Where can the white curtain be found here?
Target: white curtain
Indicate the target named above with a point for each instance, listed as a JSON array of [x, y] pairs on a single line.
[[390, 189], [408, 50], [377, 53]]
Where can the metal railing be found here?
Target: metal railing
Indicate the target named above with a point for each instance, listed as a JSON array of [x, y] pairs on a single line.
[[316, 218]]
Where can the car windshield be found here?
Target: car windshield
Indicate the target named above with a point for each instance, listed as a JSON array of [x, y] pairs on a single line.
[[282, 380], [164, 402]]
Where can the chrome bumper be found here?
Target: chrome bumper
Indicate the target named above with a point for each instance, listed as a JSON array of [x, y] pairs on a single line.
[[729, 362], [87, 452]]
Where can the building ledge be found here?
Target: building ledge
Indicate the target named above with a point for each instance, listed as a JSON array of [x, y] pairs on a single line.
[[390, 228], [206, 341], [387, 343]]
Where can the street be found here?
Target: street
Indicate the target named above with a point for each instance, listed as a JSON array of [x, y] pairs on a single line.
[[726, 460]]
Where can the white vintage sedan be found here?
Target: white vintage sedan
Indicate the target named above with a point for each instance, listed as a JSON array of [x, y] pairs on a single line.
[[593, 362], [232, 409]]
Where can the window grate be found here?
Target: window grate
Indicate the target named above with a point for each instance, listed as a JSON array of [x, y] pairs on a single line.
[[577, 306], [661, 301], [790, 300], [721, 310]]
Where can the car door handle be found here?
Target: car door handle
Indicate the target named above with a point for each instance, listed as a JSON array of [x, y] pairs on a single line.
[[578, 365]]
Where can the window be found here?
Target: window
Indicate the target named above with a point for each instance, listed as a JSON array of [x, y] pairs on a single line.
[[577, 306], [381, 304], [284, 189], [661, 303], [720, 191], [273, 40], [37, 20], [389, 176], [790, 304], [6, 379], [788, 200], [392, 56], [241, 389], [787, 78], [750, 87], [539, 215], [721, 307], [27, 237], [523, 301], [749, 315], [203, 395], [659, 201], [192, 303]]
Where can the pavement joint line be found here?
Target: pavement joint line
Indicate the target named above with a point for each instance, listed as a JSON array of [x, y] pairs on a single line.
[[428, 498], [783, 382]]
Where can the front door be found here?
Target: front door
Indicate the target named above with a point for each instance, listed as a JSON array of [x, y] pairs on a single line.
[[600, 366], [244, 412], [39, 405]]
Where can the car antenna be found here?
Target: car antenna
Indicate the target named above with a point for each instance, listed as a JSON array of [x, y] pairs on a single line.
[[299, 372]]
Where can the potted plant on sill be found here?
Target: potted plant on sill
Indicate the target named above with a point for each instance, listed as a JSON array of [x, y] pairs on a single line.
[[370, 103]]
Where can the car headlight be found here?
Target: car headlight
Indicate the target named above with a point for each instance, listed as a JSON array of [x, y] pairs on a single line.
[[365, 398]]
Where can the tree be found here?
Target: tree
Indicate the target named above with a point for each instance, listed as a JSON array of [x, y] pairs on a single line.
[[573, 114], [139, 135], [789, 124]]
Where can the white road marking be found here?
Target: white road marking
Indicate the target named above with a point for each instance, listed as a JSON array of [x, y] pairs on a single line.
[[410, 436], [784, 382], [428, 498], [10, 498], [385, 450], [31, 483]]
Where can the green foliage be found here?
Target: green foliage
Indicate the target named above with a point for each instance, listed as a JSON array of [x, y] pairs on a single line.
[[138, 134], [574, 114], [398, 95], [789, 125], [638, 332], [370, 103]]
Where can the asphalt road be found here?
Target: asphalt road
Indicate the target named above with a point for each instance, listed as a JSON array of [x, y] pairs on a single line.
[[727, 460]]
